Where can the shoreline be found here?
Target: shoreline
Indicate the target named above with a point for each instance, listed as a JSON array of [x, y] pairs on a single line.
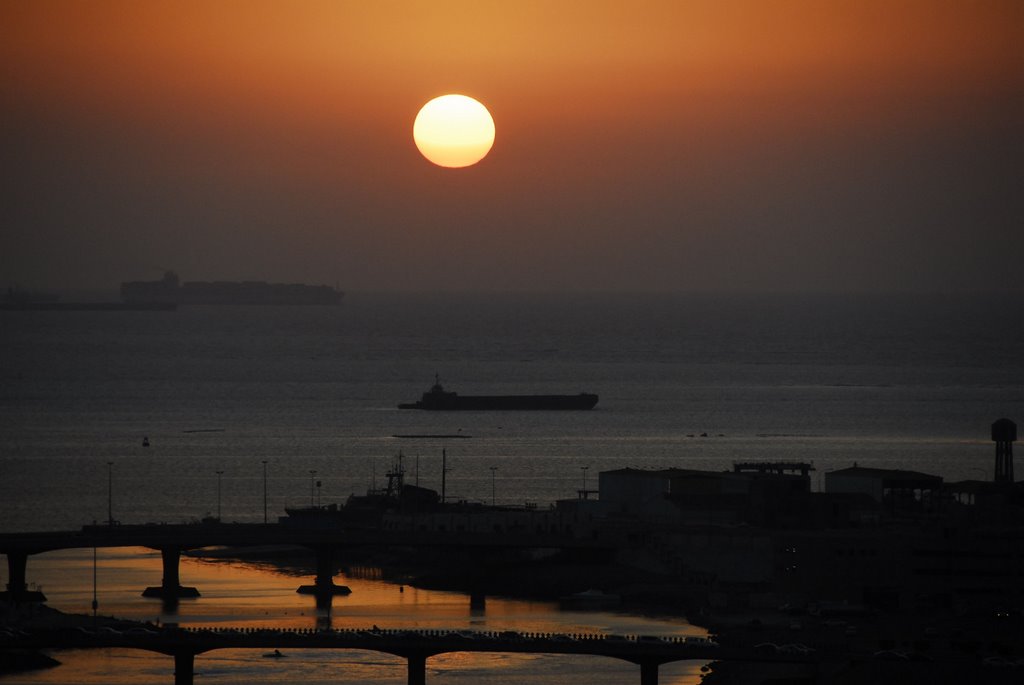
[[31, 615]]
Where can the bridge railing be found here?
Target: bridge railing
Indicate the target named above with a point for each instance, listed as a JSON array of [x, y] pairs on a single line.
[[451, 633]]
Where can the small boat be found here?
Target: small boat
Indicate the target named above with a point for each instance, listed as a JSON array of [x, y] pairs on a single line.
[[433, 436], [590, 599], [276, 654]]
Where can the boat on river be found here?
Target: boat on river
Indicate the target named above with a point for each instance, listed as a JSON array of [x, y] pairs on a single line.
[[590, 599], [439, 399]]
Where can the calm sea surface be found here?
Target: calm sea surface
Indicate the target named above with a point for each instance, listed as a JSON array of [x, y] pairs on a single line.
[[909, 382]]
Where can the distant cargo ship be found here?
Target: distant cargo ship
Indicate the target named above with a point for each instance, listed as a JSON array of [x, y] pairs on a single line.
[[24, 300], [89, 306], [439, 399], [170, 290]]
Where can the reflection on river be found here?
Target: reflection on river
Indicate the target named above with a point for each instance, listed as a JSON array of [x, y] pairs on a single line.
[[257, 595]]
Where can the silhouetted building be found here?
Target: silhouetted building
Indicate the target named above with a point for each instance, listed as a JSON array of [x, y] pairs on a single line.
[[887, 539], [898, 491], [762, 497]]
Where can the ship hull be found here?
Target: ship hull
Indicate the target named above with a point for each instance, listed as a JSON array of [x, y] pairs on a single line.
[[89, 306], [453, 402]]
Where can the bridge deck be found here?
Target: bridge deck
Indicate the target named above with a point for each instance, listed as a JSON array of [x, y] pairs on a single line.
[[191, 536], [172, 640]]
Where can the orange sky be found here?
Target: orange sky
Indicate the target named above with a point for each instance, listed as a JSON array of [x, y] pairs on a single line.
[[795, 145]]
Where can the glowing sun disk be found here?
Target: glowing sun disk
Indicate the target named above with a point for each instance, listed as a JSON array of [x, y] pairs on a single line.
[[453, 131]]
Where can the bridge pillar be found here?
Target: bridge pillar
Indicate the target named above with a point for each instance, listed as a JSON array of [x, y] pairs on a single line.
[[17, 588], [323, 587], [417, 669], [170, 586], [184, 668], [648, 673]]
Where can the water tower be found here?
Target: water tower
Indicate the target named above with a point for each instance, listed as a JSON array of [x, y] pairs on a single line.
[[1004, 432]]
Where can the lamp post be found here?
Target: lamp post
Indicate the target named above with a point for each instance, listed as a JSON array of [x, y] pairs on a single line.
[[219, 474], [264, 491], [312, 473], [95, 601], [584, 490], [493, 469], [110, 493]]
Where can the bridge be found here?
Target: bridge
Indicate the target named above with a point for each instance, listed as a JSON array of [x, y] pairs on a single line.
[[324, 541], [415, 646]]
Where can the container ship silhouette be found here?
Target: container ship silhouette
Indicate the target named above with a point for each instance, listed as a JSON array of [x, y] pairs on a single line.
[[17, 299], [169, 290], [439, 399]]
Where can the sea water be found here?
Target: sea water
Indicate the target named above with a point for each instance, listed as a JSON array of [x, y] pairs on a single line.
[[299, 404]]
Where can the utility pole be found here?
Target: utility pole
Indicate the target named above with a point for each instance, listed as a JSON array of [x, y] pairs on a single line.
[[493, 469], [444, 471], [264, 491], [95, 601], [312, 473], [219, 474], [110, 493]]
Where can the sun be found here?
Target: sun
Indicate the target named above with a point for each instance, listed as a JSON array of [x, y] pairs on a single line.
[[453, 131]]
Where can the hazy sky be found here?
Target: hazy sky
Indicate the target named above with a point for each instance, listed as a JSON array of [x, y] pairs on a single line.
[[693, 146]]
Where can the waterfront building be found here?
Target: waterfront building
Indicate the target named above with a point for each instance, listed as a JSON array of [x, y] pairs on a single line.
[[688, 496], [897, 490], [877, 539]]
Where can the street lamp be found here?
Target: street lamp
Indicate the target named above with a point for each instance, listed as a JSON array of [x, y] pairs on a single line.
[[493, 469], [95, 601], [264, 491], [584, 491], [312, 473], [219, 474], [110, 493]]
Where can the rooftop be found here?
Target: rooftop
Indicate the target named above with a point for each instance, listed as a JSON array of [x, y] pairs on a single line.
[[890, 476]]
